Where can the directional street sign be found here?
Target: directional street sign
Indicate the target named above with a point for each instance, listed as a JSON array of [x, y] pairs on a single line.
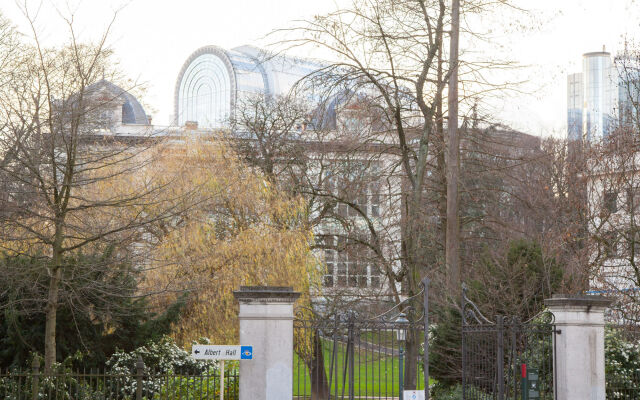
[[210, 352]]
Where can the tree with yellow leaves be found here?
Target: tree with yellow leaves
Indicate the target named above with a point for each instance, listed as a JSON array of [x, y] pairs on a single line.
[[242, 231]]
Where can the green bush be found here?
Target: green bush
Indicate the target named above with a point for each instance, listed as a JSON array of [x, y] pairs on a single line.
[[446, 392]]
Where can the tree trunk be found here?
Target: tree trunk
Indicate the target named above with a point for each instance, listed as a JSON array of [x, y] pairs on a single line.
[[452, 249], [319, 381], [411, 358], [414, 256], [52, 311]]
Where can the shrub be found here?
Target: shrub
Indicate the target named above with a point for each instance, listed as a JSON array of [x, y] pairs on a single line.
[[622, 363], [162, 359]]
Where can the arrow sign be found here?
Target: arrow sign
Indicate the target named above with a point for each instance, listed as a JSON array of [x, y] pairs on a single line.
[[212, 352]]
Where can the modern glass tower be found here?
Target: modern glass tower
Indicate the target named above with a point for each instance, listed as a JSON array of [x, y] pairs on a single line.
[[575, 102], [592, 98]]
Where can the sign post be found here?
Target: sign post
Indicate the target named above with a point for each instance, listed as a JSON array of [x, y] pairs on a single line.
[[221, 379], [221, 353], [529, 383]]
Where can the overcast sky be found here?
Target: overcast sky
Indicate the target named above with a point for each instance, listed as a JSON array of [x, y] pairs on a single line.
[[152, 39]]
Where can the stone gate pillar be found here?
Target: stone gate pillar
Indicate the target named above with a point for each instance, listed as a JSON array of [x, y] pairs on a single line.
[[579, 346], [266, 323]]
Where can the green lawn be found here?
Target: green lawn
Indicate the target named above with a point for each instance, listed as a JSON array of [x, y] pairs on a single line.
[[375, 374]]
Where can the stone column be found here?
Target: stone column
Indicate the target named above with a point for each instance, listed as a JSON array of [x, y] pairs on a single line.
[[266, 323], [579, 346]]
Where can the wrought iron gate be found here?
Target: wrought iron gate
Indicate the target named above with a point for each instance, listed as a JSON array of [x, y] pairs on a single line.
[[348, 356], [352, 359], [496, 354]]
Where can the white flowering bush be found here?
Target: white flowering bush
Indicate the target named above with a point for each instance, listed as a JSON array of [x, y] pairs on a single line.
[[622, 364], [163, 360]]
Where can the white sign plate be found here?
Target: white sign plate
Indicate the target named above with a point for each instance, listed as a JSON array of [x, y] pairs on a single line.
[[413, 395], [210, 352]]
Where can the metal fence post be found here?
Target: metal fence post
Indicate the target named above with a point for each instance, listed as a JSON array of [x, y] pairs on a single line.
[[425, 357], [500, 356], [462, 342], [35, 381], [139, 376], [515, 326], [351, 362]]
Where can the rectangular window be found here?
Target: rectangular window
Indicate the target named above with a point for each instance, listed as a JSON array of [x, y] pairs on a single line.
[[633, 243], [633, 200], [353, 277], [342, 275], [362, 275], [610, 202], [328, 277], [329, 257], [375, 202], [611, 245]]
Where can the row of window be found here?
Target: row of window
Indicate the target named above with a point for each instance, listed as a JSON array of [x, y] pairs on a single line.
[[349, 264], [358, 185]]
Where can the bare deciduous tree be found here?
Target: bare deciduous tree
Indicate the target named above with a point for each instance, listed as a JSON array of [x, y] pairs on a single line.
[[72, 185]]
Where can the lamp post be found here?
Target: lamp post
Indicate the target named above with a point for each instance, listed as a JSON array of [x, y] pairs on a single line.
[[401, 335]]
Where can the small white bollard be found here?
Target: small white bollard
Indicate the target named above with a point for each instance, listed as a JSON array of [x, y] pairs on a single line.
[[579, 346]]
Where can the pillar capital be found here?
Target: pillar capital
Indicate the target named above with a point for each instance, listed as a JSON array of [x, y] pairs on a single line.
[[578, 302], [265, 294]]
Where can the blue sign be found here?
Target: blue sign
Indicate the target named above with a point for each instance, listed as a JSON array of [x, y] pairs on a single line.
[[246, 352]]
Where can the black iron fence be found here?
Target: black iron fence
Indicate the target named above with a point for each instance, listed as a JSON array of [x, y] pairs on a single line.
[[623, 386], [354, 359], [501, 359], [622, 361], [105, 385]]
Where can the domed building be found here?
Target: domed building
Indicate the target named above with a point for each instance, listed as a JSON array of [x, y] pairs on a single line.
[[213, 79], [123, 107]]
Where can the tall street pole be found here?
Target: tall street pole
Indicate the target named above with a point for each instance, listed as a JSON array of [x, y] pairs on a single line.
[[452, 249]]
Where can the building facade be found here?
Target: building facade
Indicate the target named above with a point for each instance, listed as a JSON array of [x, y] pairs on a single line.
[[210, 88]]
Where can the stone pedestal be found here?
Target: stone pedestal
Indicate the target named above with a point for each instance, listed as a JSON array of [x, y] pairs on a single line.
[[266, 323], [579, 347]]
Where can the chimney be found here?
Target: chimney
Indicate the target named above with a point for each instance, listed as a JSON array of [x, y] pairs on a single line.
[[191, 125], [150, 119]]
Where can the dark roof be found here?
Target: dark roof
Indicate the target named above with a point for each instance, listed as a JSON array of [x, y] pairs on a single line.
[[132, 110]]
